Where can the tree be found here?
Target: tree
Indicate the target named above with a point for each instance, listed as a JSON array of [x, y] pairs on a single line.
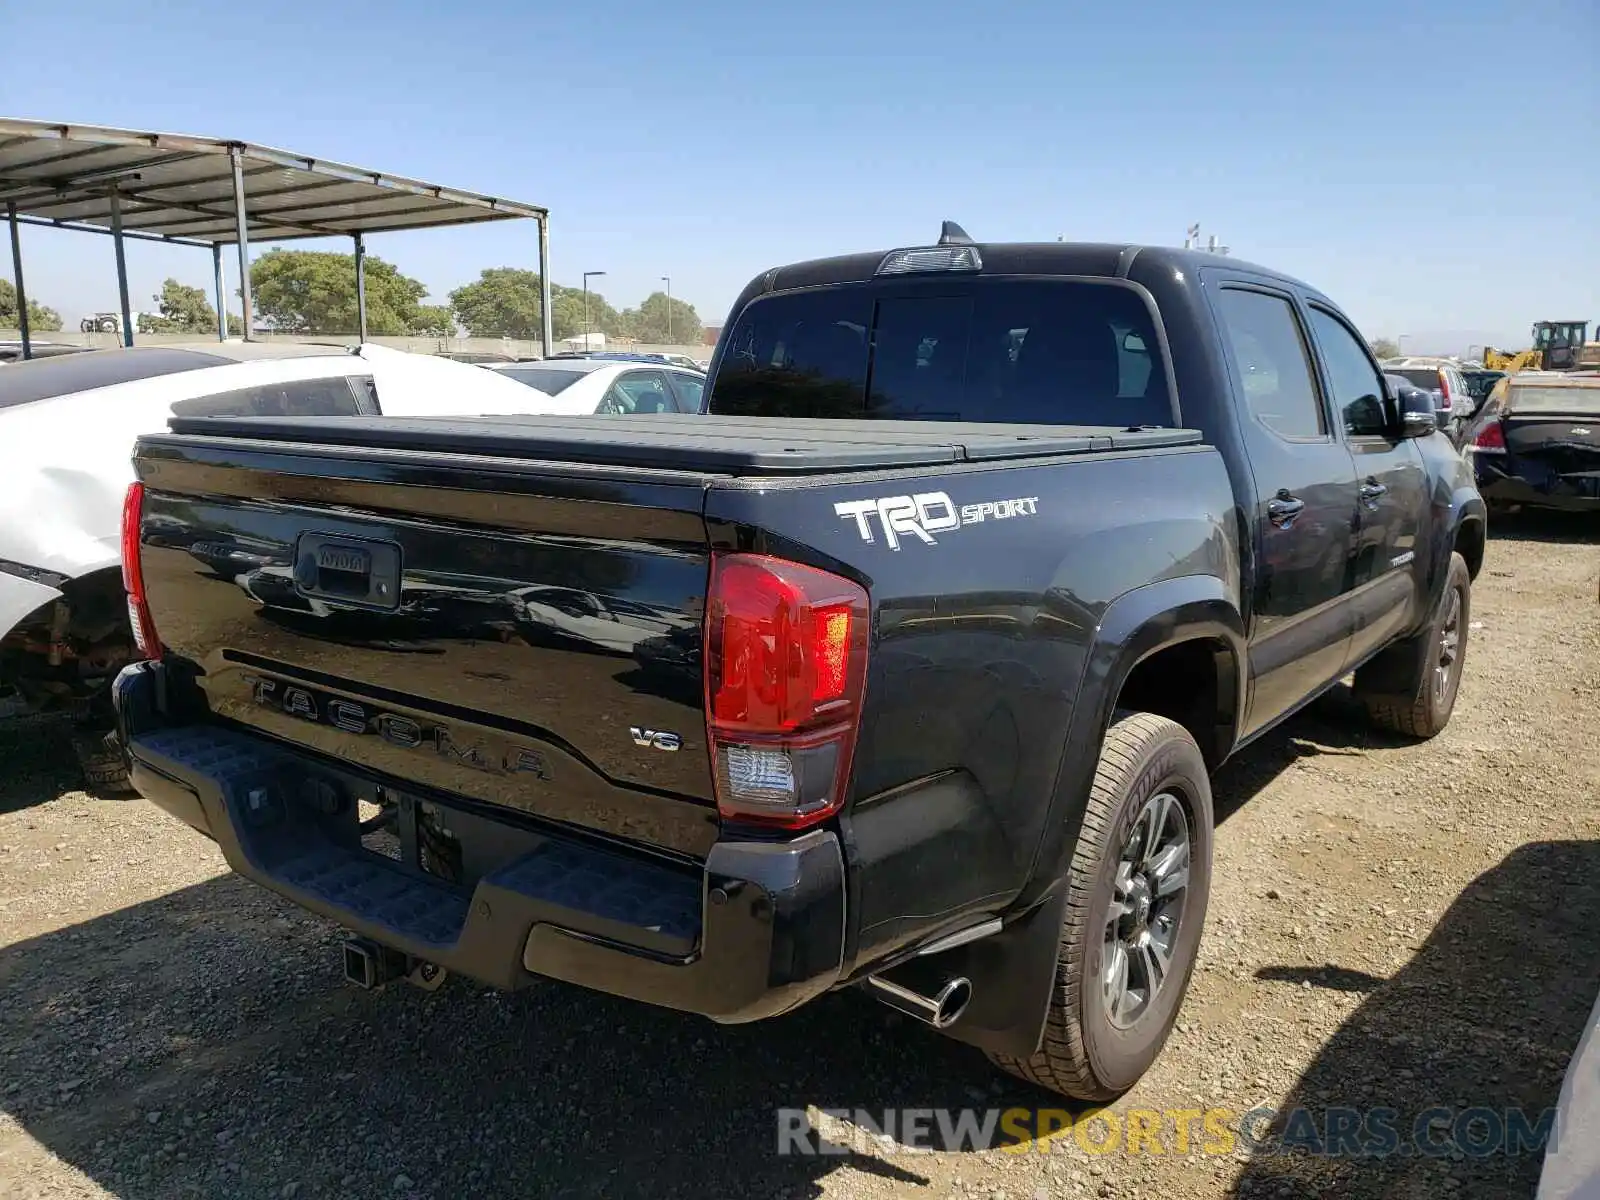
[[40, 318], [1384, 348], [567, 305], [314, 291], [650, 325], [184, 309], [434, 320], [504, 302]]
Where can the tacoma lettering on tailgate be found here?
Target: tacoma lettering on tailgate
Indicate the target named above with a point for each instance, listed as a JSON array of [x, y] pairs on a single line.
[[496, 758]]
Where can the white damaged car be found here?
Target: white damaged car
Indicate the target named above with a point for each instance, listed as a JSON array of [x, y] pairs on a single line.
[[67, 428]]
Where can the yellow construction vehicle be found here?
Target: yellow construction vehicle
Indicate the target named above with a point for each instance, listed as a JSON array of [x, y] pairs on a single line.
[[1557, 346], [1503, 360]]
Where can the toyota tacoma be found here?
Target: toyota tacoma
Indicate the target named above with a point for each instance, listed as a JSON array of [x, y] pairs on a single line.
[[904, 669]]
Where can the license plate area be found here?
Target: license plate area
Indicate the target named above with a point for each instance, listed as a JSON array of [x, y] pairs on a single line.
[[352, 571], [411, 831]]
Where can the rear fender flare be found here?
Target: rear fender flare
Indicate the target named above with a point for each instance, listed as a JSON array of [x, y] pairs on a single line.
[[1137, 625], [1453, 500], [1014, 971], [1465, 506]]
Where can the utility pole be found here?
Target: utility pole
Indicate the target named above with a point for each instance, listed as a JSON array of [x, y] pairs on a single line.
[[667, 279], [587, 275]]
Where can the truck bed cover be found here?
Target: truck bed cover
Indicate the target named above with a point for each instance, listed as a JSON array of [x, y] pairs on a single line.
[[746, 446]]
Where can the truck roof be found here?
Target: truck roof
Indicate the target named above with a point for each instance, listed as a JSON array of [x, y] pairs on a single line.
[[1093, 259], [745, 446]]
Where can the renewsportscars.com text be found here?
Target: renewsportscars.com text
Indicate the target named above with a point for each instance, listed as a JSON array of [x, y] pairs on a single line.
[[1437, 1132]]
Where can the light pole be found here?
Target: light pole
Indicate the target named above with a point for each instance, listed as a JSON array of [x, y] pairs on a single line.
[[667, 279], [587, 275]]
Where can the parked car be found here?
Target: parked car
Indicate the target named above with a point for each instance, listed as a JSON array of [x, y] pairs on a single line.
[[684, 361], [478, 358], [1439, 375], [969, 641], [582, 386], [1536, 442], [67, 427]]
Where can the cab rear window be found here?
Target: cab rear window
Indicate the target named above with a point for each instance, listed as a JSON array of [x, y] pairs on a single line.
[[1422, 377], [1578, 399], [991, 349]]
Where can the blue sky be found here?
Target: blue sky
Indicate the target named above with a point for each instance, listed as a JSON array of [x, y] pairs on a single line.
[[1404, 157]]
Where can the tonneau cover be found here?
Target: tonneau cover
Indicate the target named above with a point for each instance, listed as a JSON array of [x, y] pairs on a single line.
[[715, 444]]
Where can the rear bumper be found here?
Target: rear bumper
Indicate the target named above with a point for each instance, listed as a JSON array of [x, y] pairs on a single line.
[[1498, 487], [755, 932]]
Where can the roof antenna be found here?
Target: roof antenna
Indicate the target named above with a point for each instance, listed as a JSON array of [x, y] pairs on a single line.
[[951, 234]]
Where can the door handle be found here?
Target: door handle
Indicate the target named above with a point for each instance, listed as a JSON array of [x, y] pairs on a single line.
[[1371, 492], [1283, 508]]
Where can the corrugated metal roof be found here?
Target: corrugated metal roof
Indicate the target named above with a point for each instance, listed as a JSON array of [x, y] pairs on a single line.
[[180, 188]]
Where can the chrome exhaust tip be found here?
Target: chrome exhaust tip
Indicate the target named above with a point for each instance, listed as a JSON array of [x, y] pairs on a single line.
[[941, 1010]]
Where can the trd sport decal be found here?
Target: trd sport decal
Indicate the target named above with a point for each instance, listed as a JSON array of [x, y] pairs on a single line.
[[925, 514]]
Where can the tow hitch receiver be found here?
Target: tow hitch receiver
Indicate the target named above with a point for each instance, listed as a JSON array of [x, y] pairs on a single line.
[[369, 965]]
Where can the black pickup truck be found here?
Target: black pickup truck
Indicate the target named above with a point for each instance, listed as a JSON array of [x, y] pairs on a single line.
[[904, 669]]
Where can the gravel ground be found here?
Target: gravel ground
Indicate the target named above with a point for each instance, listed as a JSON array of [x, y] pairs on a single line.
[[1392, 925]]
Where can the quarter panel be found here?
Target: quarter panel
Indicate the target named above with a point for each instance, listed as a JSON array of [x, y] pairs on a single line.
[[980, 640]]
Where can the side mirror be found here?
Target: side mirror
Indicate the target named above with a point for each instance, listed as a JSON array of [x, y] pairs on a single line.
[[1417, 416]]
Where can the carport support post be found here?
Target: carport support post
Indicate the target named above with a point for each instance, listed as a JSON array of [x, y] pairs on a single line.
[[16, 270], [546, 319], [222, 299], [361, 287], [122, 266], [242, 239]]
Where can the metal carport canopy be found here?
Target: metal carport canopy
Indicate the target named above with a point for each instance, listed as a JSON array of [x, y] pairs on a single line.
[[198, 191]]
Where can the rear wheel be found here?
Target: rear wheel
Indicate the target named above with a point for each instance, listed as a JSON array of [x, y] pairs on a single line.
[[1411, 689], [104, 766], [1137, 891]]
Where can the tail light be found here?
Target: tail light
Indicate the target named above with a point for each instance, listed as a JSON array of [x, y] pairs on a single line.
[[785, 669], [1491, 438], [1444, 392], [144, 626]]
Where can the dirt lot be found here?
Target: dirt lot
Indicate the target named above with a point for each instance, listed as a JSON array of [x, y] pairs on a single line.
[[1405, 926]]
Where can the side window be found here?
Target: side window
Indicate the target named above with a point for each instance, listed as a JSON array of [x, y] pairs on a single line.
[[1356, 386], [636, 393], [1274, 366], [299, 398], [690, 390]]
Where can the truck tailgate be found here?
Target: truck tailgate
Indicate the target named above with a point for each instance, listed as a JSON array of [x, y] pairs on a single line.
[[518, 639]]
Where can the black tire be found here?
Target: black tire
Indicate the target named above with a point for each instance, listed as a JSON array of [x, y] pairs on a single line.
[[1403, 690], [1084, 1054], [104, 766]]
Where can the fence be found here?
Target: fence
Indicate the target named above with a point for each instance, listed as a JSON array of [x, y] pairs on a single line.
[[511, 347]]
